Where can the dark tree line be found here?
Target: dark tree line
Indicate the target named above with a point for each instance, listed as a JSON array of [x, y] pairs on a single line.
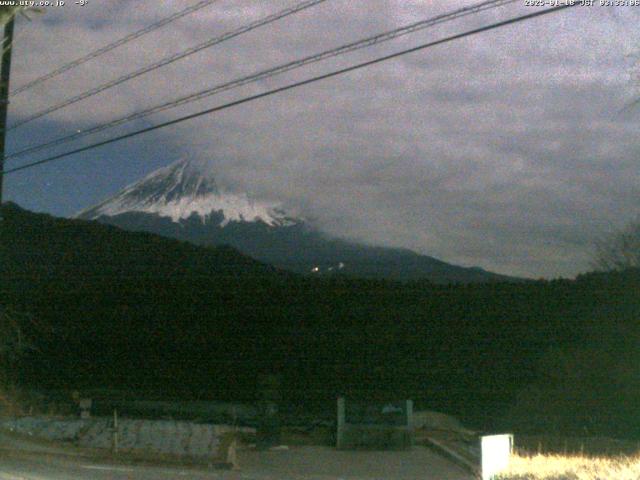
[[137, 311]]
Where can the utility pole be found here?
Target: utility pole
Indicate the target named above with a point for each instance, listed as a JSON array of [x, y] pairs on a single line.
[[7, 45]]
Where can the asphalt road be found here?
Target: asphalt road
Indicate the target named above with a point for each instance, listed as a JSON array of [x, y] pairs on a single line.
[[16, 465], [22, 459]]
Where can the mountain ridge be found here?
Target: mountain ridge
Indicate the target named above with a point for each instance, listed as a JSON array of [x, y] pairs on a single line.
[[184, 201]]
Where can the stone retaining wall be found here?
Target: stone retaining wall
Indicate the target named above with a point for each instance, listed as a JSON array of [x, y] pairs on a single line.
[[178, 438]]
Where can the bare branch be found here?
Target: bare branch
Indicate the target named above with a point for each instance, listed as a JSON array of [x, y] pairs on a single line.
[[620, 250]]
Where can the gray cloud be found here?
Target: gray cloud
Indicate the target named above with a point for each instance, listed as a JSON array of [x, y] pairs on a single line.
[[504, 150]]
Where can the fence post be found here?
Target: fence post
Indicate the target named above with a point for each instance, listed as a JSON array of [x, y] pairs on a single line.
[[341, 423], [410, 421], [115, 431]]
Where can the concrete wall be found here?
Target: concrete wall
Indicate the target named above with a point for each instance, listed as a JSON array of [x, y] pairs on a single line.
[[158, 436]]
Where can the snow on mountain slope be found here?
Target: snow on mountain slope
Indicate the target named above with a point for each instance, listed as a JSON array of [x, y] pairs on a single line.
[[182, 189]]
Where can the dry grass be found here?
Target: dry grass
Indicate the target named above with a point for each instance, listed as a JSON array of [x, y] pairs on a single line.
[[560, 467], [593, 446]]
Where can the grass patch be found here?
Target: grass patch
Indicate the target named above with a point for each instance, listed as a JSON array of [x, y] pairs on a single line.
[[593, 446], [572, 467]]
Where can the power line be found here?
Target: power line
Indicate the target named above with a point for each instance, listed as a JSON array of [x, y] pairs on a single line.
[[296, 84], [126, 39], [173, 58], [264, 74]]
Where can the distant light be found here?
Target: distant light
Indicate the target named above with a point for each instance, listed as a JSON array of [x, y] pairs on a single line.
[[315, 269], [341, 265]]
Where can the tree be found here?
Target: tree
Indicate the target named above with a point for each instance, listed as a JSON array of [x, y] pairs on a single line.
[[13, 347], [7, 13], [620, 250], [13, 344]]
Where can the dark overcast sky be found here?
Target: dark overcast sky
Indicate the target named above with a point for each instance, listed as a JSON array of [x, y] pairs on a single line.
[[505, 150]]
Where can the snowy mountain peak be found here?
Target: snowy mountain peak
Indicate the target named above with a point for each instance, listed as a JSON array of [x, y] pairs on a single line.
[[185, 188]]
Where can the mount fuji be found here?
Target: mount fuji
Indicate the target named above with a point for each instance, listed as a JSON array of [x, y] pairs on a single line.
[[184, 201]]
